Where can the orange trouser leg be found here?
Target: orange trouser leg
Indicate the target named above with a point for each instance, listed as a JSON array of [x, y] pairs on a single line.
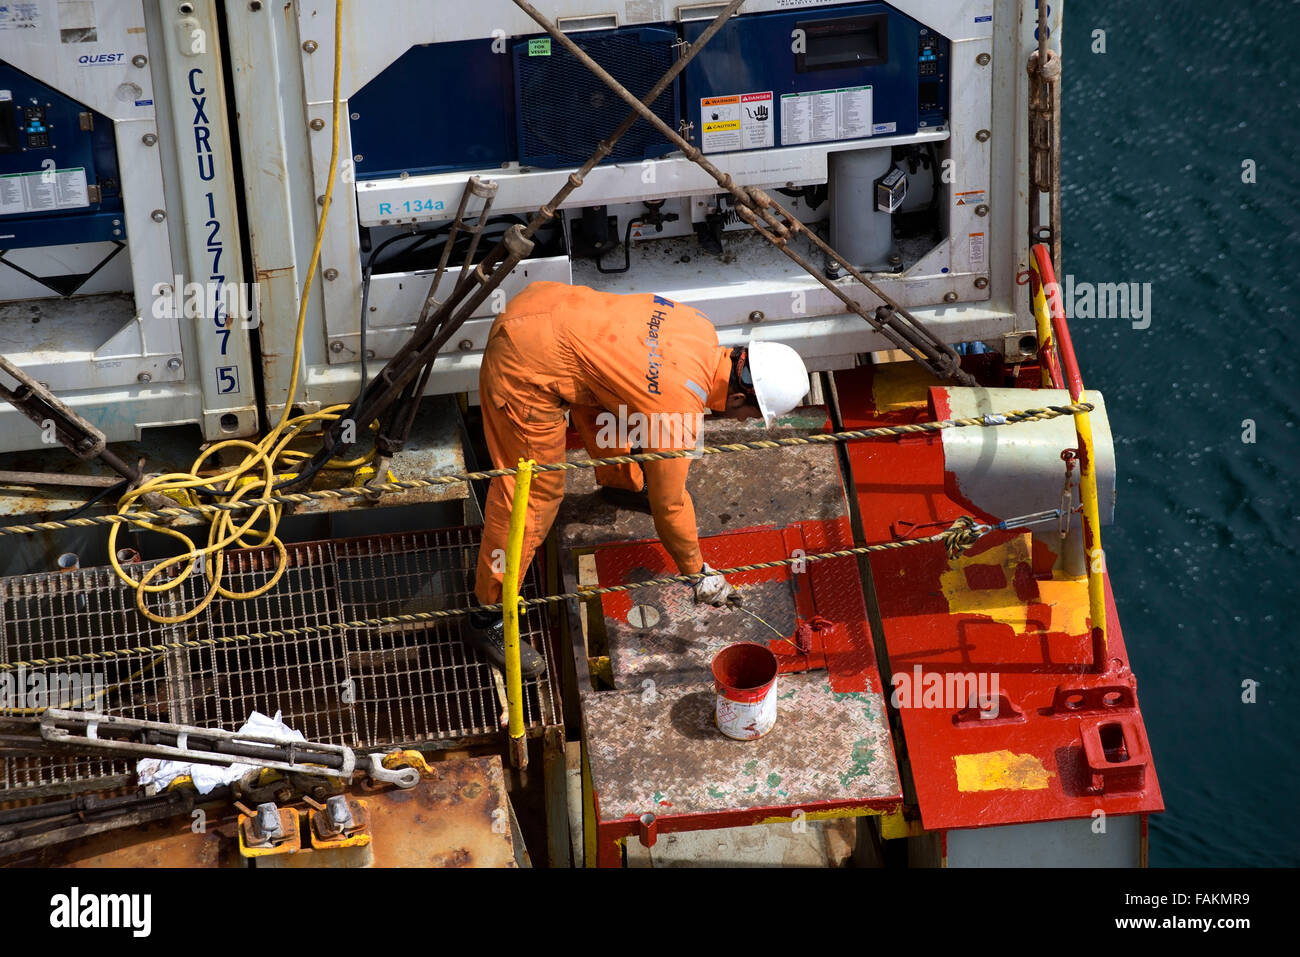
[[599, 446], [514, 431]]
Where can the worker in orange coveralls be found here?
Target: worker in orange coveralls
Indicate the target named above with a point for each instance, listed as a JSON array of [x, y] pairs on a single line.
[[606, 358]]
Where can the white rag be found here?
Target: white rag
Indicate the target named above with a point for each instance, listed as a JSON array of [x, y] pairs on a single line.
[[207, 777]]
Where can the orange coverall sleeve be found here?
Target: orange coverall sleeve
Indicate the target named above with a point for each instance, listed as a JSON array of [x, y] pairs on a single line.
[[674, 512]]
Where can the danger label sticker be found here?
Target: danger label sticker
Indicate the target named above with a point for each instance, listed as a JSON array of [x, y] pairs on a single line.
[[740, 122]]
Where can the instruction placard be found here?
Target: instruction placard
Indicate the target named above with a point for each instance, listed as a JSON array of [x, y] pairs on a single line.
[[20, 15], [825, 115], [741, 122], [43, 191]]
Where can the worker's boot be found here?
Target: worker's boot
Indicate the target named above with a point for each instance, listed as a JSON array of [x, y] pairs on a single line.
[[627, 498], [486, 631]]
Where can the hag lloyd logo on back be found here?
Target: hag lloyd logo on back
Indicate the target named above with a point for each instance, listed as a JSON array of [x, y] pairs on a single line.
[[655, 357], [76, 910]]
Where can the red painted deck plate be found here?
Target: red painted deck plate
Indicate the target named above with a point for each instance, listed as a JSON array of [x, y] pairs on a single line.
[[828, 591], [1031, 765]]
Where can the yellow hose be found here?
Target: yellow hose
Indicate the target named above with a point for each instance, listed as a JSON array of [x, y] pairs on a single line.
[[263, 461]]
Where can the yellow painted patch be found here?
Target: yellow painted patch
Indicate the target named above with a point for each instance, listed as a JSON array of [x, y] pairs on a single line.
[[1000, 771], [894, 826], [901, 385], [1066, 598], [1000, 604]]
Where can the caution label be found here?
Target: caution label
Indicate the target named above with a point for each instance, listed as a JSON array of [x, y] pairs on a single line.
[[976, 250], [740, 122], [824, 115], [43, 191]]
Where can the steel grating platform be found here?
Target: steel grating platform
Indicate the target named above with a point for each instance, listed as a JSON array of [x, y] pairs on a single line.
[[367, 688]]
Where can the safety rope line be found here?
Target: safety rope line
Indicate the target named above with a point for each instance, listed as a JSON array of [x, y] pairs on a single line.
[[371, 491], [956, 539]]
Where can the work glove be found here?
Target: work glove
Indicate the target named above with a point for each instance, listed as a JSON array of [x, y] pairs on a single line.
[[716, 590]]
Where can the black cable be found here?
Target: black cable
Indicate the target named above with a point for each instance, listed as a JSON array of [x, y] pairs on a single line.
[[95, 499], [422, 237], [627, 250]]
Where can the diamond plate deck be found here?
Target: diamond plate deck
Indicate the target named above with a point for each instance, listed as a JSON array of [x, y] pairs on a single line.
[[653, 745], [658, 750]]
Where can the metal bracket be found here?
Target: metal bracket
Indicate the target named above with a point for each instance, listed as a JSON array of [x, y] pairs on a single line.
[[403, 777]]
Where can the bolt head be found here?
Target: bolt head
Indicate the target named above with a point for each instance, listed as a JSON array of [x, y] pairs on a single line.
[[309, 46], [465, 345], [144, 377], [983, 135], [331, 274], [982, 282], [950, 297], [756, 316], [336, 346], [982, 210], [139, 60], [174, 363], [149, 139], [984, 59], [158, 215], [317, 124]]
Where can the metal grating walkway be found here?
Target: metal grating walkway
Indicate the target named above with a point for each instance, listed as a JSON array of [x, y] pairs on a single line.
[[368, 688]]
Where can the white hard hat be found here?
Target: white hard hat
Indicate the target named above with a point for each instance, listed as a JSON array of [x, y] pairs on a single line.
[[780, 378]]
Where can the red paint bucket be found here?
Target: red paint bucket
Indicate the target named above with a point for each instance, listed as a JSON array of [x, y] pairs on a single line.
[[744, 677]]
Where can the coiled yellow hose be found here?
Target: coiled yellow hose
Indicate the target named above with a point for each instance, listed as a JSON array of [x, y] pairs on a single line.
[[258, 472]]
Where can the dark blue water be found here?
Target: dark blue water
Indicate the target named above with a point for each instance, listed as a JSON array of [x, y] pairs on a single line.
[[1204, 557]]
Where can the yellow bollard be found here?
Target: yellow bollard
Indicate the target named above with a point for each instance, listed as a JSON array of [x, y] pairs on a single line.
[[510, 612]]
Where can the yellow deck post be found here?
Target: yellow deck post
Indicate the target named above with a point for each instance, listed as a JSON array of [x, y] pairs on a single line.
[[1051, 293], [510, 613]]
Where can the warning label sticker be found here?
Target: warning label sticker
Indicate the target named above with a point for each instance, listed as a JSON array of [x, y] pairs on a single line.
[[43, 191], [740, 122], [20, 15], [976, 250], [824, 115]]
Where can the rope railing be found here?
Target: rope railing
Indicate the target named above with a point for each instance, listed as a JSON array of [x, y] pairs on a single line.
[[956, 539], [373, 490]]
